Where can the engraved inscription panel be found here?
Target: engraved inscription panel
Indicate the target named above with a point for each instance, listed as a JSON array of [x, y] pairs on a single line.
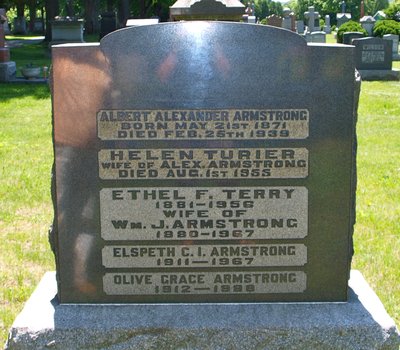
[[203, 163], [189, 256], [202, 124], [372, 56], [238, 282], [173, 213]]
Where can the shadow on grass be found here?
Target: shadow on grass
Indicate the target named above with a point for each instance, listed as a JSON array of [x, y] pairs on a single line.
[[15, 91], [36, 54]]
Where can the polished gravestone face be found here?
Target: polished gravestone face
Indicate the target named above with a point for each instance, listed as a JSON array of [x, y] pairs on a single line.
[[373, 53], [204, 162]]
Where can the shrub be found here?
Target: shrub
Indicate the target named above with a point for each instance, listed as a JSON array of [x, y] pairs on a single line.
[[350, 26], [386, 26], [393, 11], [263, 21]]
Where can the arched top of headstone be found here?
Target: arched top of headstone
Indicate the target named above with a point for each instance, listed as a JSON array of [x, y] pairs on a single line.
[[214, 58]]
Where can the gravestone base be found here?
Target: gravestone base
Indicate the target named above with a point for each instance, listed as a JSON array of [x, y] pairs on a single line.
[[7, 71], [376, 74], [361, 323]]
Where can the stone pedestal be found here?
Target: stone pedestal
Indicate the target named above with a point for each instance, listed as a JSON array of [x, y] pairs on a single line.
[[361, 323], [7, 71], [66, 32], [4, 54], [380, 74]]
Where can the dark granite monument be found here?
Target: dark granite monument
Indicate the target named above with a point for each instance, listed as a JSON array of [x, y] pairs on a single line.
[[177, 182], [349, 36], [374, 59], [274, 20], [182, 177], [373, 53]]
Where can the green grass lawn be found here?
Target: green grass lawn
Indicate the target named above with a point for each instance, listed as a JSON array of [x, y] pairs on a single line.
[[26, 156]]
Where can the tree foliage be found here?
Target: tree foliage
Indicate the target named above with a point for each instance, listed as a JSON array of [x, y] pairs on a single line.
[[373, 6], [393, 11], [386, 26], [91, 9], [265, 8], [350, 26], [326, 7]]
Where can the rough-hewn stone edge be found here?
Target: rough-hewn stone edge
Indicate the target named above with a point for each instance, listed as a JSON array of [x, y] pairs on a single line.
[[362, 323]]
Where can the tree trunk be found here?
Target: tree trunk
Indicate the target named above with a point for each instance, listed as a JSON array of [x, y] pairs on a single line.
[[91, 16], [110, 6], [20, 4], [144, 8], [123, 12], [69, 8], [32, 15], [52, 10]]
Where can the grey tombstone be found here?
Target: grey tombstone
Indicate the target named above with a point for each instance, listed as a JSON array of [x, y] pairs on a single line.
[[66, 31], [327, 26], [38, 26], [374, 59], [19, 25], [342, 18], [373, 53], [288, 20], [251, 19], [318, 37], [5, 24], [379, 15], [395, 45], [7, 67], [312, 18], [183, 179], [368, 23], [175, 174], [300, 27], [349, 36]]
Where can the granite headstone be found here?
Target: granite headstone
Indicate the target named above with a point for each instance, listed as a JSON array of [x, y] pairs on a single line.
[[7, 67], [395, 45], [300, 27], [373, 54], [349, 36], [66, 31], [274, 20], [368, 22], [316, 37], [342, 18], [374, 59], [181, 176], [289, 19], [327, 26], [19, 25], [312, 18], [4, 24]]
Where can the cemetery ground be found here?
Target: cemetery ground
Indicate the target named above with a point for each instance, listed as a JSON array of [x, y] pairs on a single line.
[[26, 157]]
